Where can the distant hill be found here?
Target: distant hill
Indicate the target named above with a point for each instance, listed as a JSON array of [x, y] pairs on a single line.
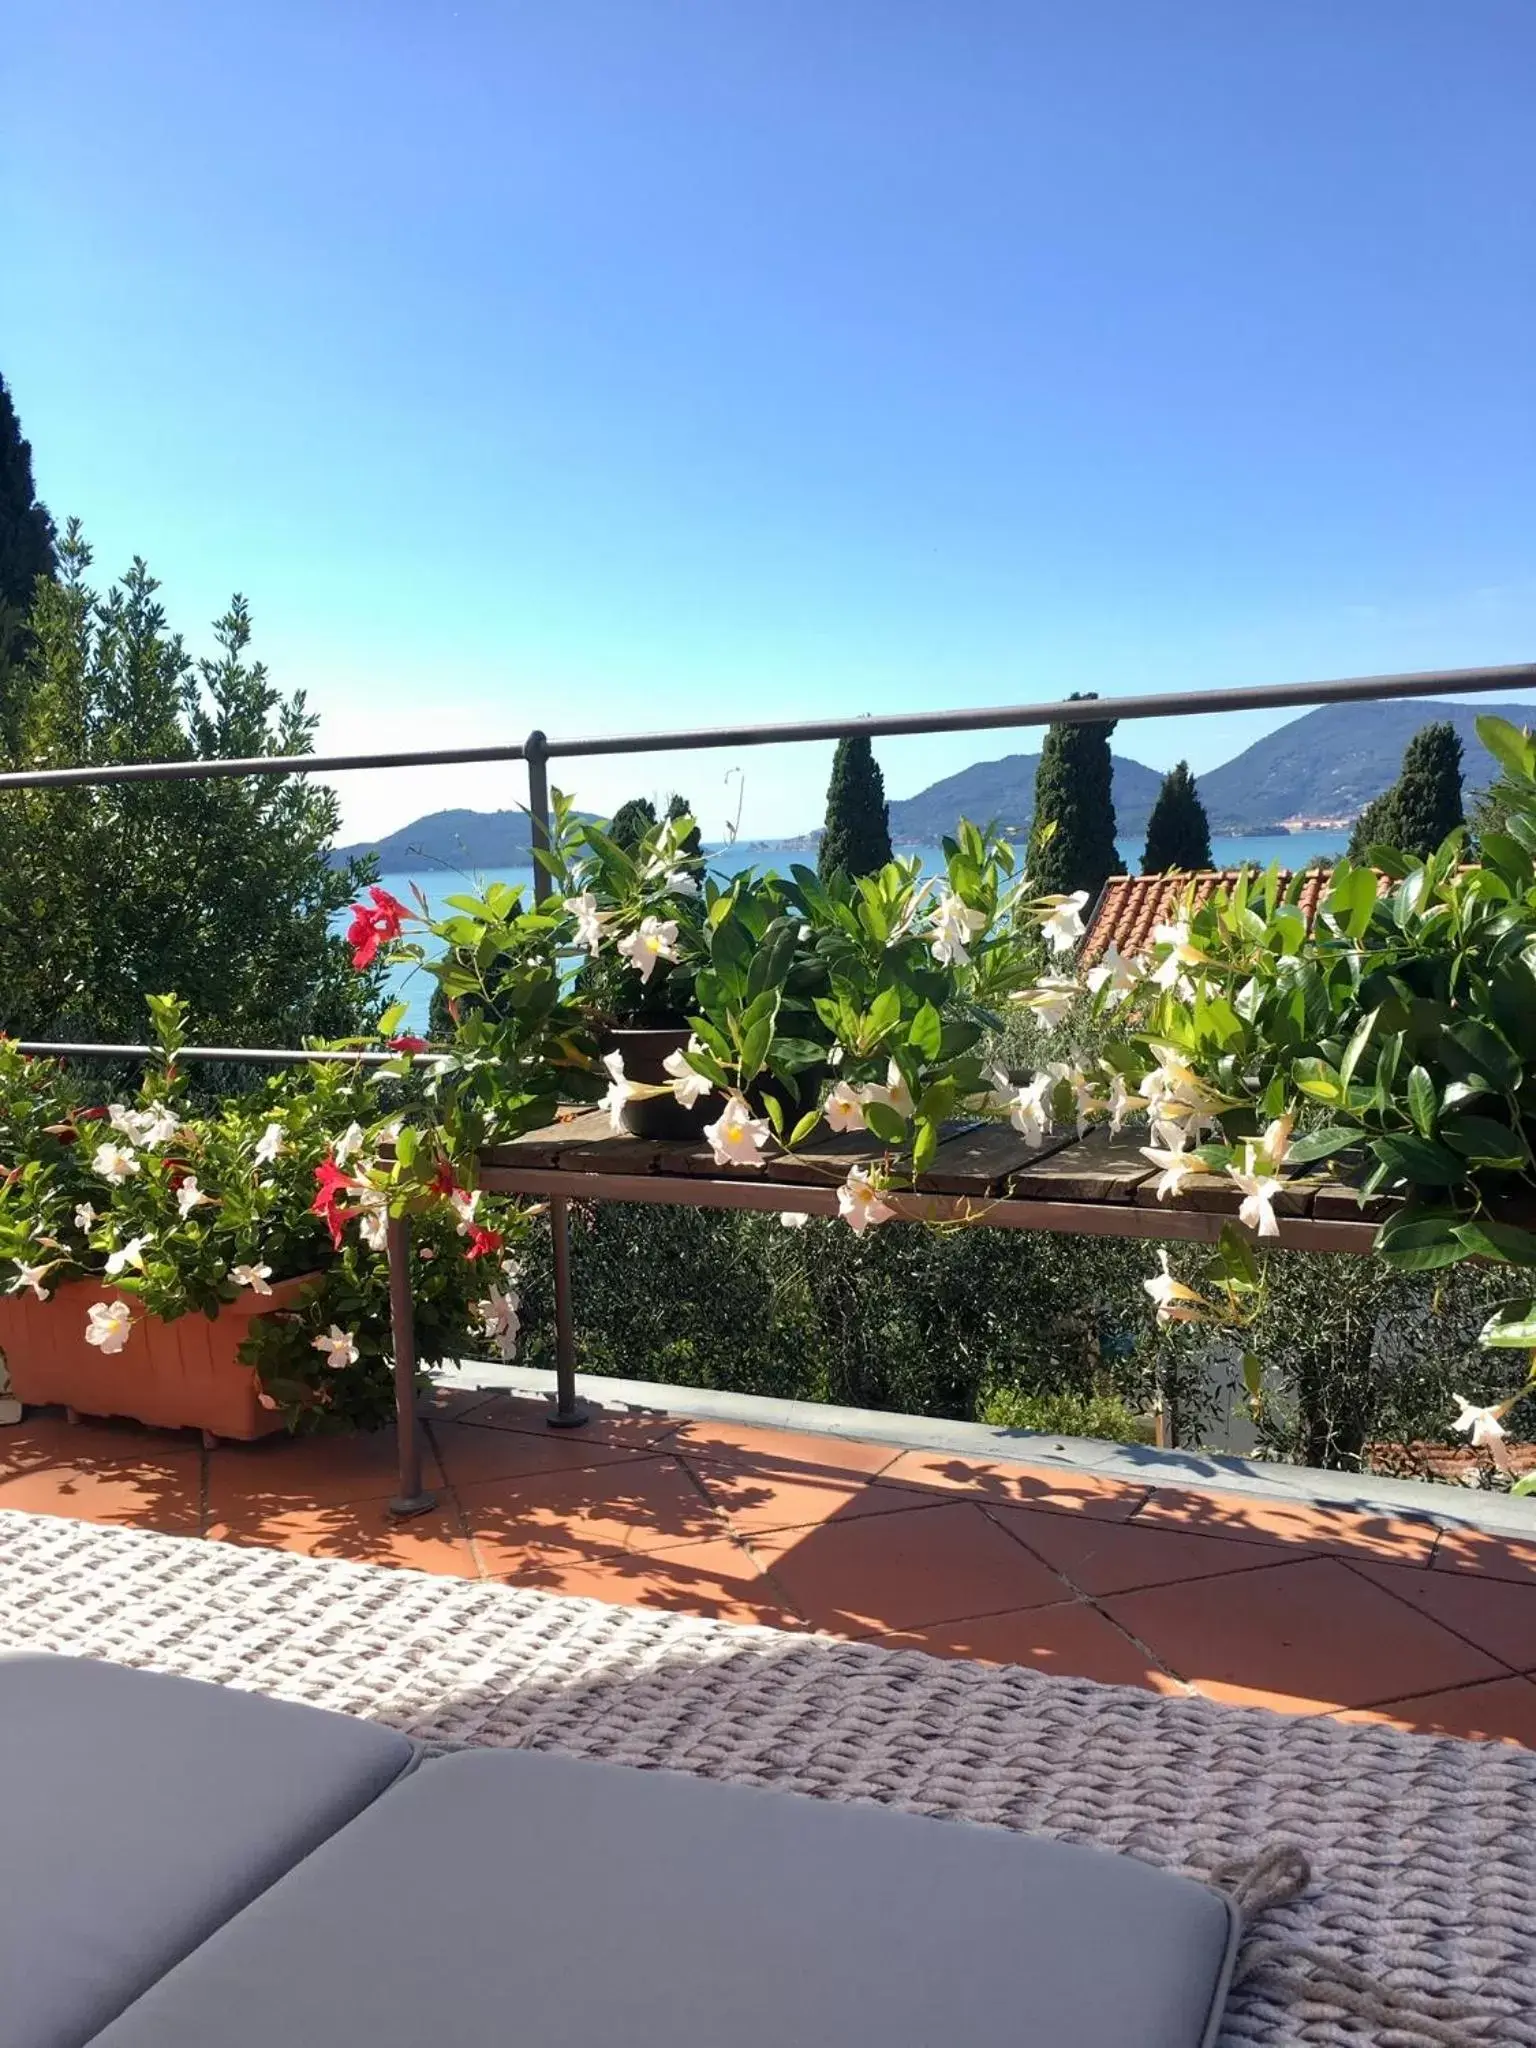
[[1326, 764], [467, 840], [1332, 761], [1003, 793]]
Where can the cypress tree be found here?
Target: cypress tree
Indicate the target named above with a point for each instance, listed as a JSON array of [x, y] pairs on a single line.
[[856, 838], [26, 531], [693, 843], [1178, 831], [1074, 794], [631, 822], [1423, 806]]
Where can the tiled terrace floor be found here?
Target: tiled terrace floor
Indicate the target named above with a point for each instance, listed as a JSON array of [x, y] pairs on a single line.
[[1304, 1608]]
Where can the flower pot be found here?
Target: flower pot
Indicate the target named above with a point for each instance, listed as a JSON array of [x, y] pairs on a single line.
[[657, 1116], [180, 1375]]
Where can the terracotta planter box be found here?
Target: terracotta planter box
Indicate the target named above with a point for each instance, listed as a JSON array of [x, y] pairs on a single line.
[[180, 1375]]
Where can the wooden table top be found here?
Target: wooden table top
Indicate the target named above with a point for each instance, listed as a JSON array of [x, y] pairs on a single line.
[[1056, 1185]]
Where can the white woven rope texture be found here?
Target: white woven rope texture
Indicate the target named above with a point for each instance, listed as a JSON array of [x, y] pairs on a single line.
[[1423, 1851]]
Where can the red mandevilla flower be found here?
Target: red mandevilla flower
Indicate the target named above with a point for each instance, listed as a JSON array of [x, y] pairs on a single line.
[[369, 928], [329, 1182], [406, 1043], [483, 1244]]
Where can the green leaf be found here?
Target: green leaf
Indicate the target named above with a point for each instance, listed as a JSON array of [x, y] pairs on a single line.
[[1511, 1327], [1488, 1051], [1485, 1142], [1253, 1375], [927, 1034], [1418, 1243], [1421, 1102], [1316, 1078], [775, 1110], [1236, 1259], [887, 1126], [1356, 1048], [1508, 745], [1501, 1241], [1323, 1144], [925, 1145], [1420, 1160], [407, 1145], [804, 1128], [883, 1012]]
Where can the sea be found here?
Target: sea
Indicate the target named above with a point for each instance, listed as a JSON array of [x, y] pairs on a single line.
[[414, 986]]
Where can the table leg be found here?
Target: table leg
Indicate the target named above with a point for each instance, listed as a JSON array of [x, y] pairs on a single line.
[[411, 1499], [568, 1412]]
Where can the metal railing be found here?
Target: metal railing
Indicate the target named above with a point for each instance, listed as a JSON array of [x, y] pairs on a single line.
[[537, 751]]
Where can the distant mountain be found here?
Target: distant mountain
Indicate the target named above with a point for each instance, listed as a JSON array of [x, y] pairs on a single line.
[[452, 840], [1003, 793], [1326, 765], [1332, 761]]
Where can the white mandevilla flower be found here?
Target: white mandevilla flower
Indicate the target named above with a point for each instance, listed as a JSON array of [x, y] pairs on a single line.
[[860, 1202], [737, 1136], [1123, 1102], [1177, 1165], [162, 1126], [347, 1146], [1182, 952], [1257, 1208], [1114, 975], [620, 1091], [1062, 925], [273, 1141], [33, 1277], [655, 940], [844, 1108], [1050, 999], [1174, 1094], [130, 1254], [793, 1219], [85, 1218], [464, 1202], [893, 1091], [336, 1347], [115, 1163], [373, 1219], [955, 924], [1028, 1106], [1086, 1101], [1176, 1303], [189, 1196], [1276, 1141], [257, 1278], [500, 1321], [688, 1087], [1485, 1427], [589, 919], [108, 1325], [681, 883]]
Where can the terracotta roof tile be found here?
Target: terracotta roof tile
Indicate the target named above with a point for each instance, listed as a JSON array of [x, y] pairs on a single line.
[[1132, 905]]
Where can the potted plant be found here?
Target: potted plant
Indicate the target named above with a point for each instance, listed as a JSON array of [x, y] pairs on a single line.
[[222, 1267]]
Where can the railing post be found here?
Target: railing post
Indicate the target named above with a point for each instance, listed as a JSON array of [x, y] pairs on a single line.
[[568, 1412], [411, 1499]]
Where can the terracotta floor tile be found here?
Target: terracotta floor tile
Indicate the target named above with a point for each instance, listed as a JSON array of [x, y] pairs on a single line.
[[1499, 1615], [284, 1472], [761, 1493], [1503, 1710], [645, 1505], [717, 1580], [1071, 1641], [362, 1531], [1099, 1556], [1495, 1557], [1299, 1525], [1298, 1635], [1032, 1486], [901, 1571], [787, 1449], [468, 1454], [103, 1472], [635, 1429]]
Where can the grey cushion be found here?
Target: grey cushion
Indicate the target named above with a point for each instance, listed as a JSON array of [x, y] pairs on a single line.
[[516, 1897], [137, 1813]]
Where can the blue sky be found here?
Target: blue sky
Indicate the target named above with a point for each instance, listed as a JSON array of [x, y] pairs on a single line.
[[614, 363]]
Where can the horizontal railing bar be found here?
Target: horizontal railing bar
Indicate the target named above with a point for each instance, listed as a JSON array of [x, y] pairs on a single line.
[[245, 1055], [1071, 711], [1457, 682]]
